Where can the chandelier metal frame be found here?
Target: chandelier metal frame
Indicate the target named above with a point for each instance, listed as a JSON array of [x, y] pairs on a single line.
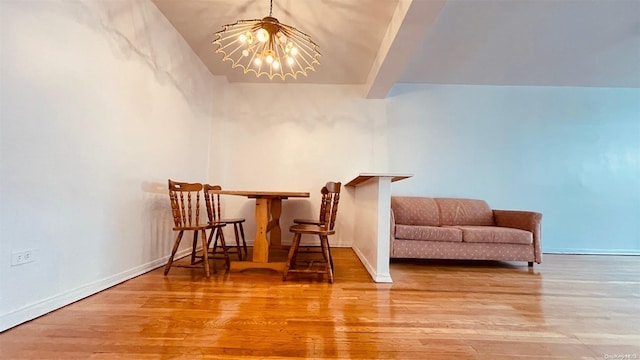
[[267, 47]]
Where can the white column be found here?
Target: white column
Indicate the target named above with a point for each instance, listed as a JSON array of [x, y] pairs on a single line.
[[373, 222]]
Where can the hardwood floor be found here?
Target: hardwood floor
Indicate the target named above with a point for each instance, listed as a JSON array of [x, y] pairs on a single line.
[[569, 307]]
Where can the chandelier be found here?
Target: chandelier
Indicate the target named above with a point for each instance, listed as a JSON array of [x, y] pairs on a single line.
[[267, 47]]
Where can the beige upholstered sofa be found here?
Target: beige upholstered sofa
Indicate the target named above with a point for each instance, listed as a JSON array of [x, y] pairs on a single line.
[[451, 228]]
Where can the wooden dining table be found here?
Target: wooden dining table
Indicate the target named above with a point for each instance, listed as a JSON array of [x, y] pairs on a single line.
[[268, 211]]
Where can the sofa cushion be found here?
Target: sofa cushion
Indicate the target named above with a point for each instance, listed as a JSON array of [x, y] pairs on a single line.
[[464, 212], [495, 234], [415, 210], [428, 233]]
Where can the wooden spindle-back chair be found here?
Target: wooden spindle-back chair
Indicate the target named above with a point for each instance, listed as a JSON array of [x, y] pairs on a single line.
[[321, 228], [185, 207], [214, 212]]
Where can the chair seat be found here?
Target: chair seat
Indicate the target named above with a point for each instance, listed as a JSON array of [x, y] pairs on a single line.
[[307, 221], [311, 229], [199, 227], [232, 220]]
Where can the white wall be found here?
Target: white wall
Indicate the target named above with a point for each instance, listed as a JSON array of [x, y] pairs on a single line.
[[296, 137], [101, 102], [571, 153]]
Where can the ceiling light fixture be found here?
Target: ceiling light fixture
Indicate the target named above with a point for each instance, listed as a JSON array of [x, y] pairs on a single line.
[[267, 47]]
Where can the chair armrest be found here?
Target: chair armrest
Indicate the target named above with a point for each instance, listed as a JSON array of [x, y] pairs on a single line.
[[523, 220]]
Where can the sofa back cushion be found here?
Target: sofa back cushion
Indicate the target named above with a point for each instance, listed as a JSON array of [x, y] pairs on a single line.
[[415, 210], [454, 211]]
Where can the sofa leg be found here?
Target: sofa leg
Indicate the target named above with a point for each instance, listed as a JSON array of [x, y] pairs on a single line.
[[530, 263]]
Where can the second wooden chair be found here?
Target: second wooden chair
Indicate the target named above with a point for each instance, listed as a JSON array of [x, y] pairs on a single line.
[[214, 211], [321, 228]]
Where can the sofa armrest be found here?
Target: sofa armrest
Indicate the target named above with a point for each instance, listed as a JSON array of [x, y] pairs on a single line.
[[523, 220], [393, 226], [392, 232]]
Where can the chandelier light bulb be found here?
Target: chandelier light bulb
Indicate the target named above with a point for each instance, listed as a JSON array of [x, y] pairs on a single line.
[[294, 51], [282, 38], [269, 59], [242, 38], [262, 35], [289, 60], [276, 65], [245, 52], [257, 61]]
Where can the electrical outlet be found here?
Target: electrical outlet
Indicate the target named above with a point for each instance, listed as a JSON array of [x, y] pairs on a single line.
[[21, 257]]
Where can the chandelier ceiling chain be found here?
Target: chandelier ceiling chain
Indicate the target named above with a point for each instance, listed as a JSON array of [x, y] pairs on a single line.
[[267, 47]]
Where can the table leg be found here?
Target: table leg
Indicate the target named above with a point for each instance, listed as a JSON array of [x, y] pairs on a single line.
[[261, 244], [275, 233], [264, 207]]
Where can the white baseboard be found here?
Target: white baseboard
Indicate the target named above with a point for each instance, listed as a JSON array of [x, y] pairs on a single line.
[[44, 306], [383, 278], [591, 251]]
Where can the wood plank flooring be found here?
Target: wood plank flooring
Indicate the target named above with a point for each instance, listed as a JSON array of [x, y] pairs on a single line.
[[569, 307]]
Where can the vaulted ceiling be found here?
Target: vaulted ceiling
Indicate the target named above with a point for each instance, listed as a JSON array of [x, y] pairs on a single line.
[[378, 43]]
